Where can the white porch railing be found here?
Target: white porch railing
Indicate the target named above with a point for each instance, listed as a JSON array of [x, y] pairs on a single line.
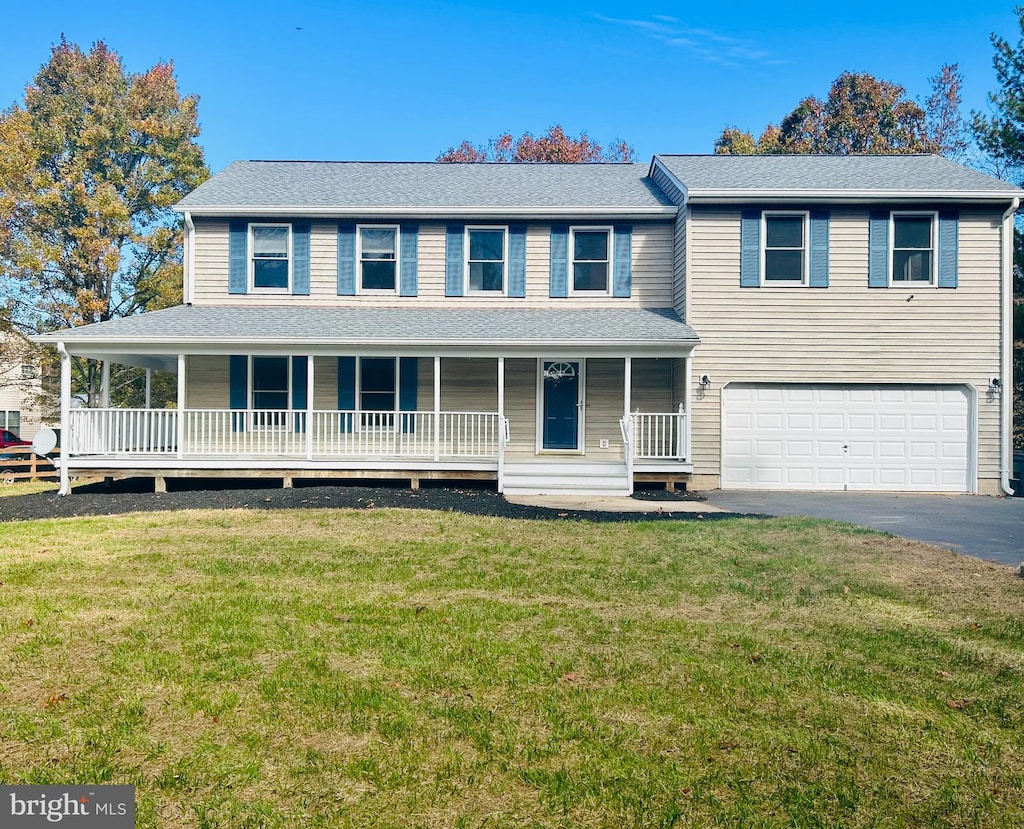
[[282, 433], [123, 431], [661, 436]]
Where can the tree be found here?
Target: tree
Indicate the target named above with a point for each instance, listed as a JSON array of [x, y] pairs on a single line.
[[90, 164], [863, 114], [1000, 135], [553, 146]]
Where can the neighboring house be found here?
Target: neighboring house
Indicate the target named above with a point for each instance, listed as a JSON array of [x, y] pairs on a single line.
[[798, 322], [20, 386]]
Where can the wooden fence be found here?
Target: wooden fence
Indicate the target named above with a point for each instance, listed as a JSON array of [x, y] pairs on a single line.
[[19, 463]]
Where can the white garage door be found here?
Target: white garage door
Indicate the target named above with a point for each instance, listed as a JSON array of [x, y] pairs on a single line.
[[887, 438]]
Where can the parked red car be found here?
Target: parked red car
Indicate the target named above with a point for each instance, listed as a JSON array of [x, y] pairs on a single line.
[[8, 439]]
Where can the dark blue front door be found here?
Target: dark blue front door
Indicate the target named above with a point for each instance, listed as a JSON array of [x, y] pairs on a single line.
[[561, 410]]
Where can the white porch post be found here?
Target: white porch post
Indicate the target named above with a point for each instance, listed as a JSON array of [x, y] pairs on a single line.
[[627, 392], [181, 406], [437, 408], [65, 419], [149, 386], [105, 384], [309, 407], [501, 424], [688, 429]]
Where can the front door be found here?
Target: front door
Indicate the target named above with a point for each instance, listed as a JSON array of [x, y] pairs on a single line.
[[561, 406]]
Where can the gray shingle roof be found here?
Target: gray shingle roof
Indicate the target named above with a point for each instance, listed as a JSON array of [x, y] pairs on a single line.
[[356, 184], [469, 327], [884, 174]]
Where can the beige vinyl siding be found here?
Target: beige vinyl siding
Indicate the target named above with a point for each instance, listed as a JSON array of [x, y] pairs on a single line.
[[469, 384], [652, 264], [605, 405], [207, 382], [652, 389], [846, 333], [521, 405]]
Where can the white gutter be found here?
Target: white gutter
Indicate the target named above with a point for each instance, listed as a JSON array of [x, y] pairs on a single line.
[[188, 285], [1006, 355], [345, 211], [747, 194]]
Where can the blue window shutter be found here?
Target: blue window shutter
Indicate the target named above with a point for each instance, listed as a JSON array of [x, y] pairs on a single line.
[[750, 249], [238, 385], [819, 249], [559, 284], [517, 261], [238, 262], [453, 261], [346, 390], [346, 260], [300, 259], [410, 252], [949, 228], [408, 381], [622, 274], [878, 249], [299, 391]]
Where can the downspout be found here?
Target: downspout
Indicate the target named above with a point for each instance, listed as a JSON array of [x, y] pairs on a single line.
[[187, 284], [1006, 355]]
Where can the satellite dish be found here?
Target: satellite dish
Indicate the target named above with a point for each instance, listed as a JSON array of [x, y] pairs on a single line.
[[45, 441]]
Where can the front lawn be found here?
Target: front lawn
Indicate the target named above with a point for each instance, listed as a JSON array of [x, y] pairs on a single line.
[[409, 668]]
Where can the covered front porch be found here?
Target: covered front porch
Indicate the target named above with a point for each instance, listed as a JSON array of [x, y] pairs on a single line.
[[548, 417]]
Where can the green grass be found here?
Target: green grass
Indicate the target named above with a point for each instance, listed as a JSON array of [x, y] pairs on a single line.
[[407, 668]]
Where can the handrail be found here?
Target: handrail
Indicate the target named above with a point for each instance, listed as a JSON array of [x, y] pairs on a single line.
[[626, 425]]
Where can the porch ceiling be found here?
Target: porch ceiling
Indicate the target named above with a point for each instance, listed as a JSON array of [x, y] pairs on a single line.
[[218, 329]]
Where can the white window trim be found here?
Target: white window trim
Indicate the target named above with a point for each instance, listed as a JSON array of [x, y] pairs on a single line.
[[288, 424], [933, 277], [806, 250], [252, 259], [360, 290], [466, 291], [581, 407], [571, 257]]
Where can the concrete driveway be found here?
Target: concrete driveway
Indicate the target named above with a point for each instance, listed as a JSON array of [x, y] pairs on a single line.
[[986, 527]]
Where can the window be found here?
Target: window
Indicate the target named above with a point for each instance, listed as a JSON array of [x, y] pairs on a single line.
[[10, 419], [270, 252], [378, 258], [485, 262], [377, 384], [913, 245], [785, 247], [270, 386], [29, 371], [590, 250]]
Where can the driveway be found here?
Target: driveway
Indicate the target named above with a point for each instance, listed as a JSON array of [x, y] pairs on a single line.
[[986, 527]]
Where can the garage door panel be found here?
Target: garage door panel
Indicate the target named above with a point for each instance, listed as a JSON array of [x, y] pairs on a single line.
[[856, 437]]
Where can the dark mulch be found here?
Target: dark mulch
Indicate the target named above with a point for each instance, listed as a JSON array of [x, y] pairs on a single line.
[[135, 495]]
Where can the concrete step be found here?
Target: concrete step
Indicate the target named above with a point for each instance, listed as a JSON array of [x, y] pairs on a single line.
[[566, 478]]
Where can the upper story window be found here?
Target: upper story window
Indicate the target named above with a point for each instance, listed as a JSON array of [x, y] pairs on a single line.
[[784, 254], [590, 251], [378, 258], [913, 247], [485, 259], [271, 250]]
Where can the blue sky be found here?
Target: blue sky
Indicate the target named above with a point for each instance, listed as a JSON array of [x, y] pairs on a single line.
[[404, 81]]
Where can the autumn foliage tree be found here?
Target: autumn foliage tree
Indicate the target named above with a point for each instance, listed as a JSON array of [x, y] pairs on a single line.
[[552, 147], [90, 164], [863, 114]]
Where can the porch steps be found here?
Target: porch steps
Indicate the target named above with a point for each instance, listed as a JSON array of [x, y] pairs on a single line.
[[566, 478]]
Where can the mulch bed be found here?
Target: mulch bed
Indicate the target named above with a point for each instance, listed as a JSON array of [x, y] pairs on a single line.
[[134, 495]]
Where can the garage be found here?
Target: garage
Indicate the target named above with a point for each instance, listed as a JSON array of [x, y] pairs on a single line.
[[912, 438]]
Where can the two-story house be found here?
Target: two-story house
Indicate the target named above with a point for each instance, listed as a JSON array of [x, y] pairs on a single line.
[[772, 321]]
